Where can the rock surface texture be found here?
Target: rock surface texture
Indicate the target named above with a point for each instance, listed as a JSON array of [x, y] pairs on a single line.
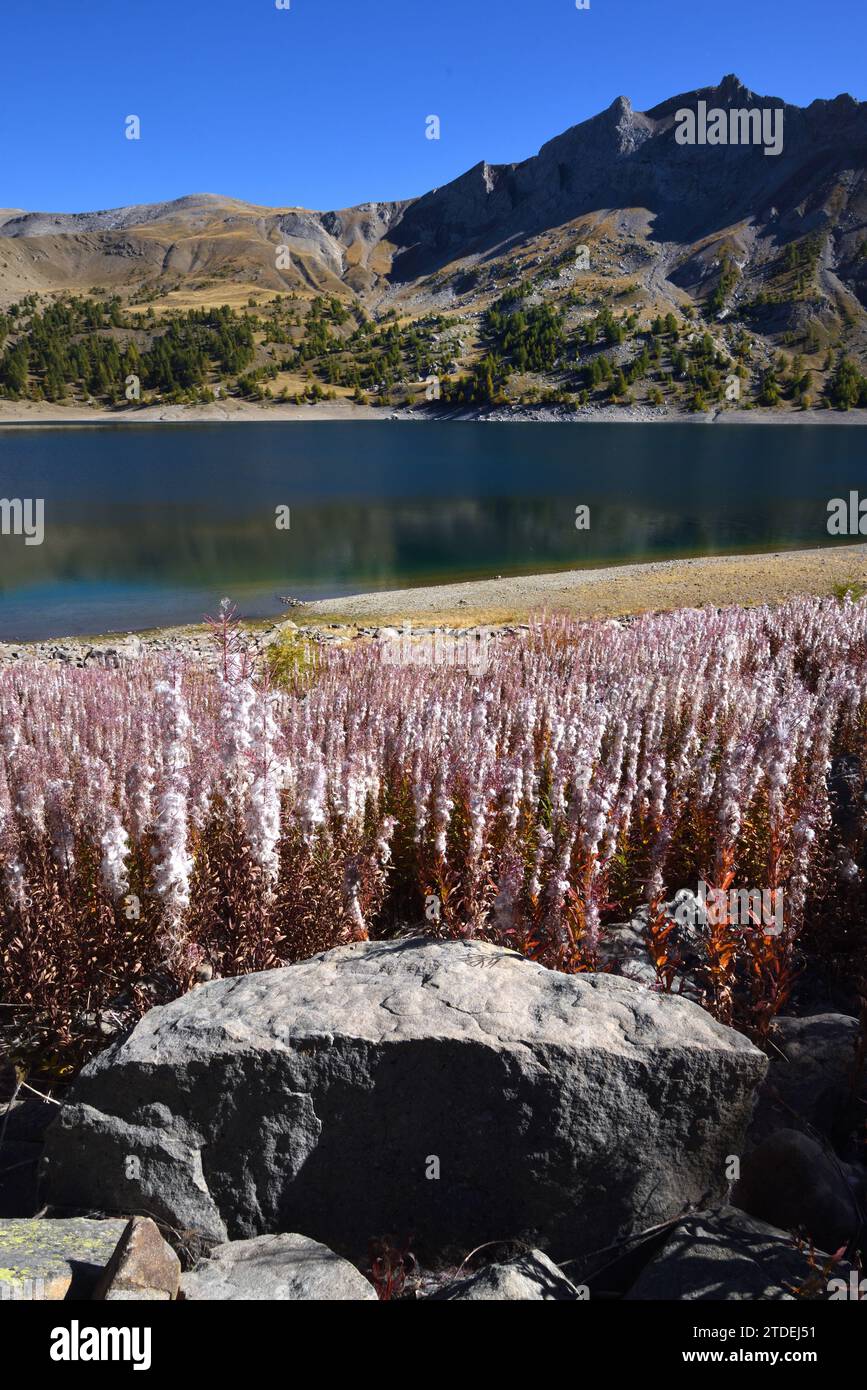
[[442, 1093], [528, 1277], [725, 1255], [793, 1182], [143, 1267], [276, 1268], [814, 1081], [43, 1259]]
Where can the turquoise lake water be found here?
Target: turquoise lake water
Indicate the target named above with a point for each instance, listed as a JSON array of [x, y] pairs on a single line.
[[148, 525]]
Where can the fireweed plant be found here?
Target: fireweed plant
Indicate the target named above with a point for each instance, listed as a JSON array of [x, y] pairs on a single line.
[[163, 822]]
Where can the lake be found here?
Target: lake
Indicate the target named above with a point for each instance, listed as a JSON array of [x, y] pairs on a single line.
[[152, 524]]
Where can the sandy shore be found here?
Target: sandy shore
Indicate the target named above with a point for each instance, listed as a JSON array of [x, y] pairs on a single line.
[[719, 580], [232, 411]]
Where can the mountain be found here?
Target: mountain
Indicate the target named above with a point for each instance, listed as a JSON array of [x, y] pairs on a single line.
[[190, 241], [621, 159], [774, 242]]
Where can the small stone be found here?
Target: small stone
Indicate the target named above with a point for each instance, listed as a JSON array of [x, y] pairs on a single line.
[[142, 1268], [530, 1276]]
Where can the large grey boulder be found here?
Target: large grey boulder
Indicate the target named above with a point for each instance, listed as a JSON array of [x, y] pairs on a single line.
[[449, 1093], [725, 1256], [281, 1268], [531, 1276]]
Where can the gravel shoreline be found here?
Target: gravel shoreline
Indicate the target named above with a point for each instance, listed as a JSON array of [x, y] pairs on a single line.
[[614, 589], [45, 415], [454, 609]]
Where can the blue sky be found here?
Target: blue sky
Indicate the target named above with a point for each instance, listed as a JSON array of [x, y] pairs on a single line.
[[324, 104]]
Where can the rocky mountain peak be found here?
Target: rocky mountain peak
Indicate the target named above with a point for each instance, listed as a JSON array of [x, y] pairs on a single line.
[[732, 90]]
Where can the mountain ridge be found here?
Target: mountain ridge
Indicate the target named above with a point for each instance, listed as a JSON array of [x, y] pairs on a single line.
[[617, 210], [596, 163]]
